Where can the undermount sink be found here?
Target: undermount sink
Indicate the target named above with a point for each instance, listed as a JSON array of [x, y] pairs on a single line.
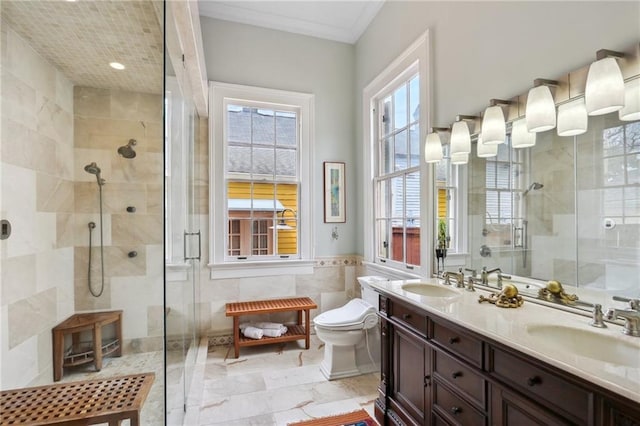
[[586, 343], [430, 290]]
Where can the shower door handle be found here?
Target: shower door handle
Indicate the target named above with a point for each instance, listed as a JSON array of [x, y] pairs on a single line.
[[185, 246]]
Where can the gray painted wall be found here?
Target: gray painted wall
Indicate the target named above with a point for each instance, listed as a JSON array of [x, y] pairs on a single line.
[[483, 50], [245, 54]]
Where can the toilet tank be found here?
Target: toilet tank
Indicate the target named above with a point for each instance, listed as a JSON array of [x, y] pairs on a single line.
[[367, 293]]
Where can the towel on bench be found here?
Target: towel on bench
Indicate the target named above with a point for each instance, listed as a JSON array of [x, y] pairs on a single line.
[[253, 333]]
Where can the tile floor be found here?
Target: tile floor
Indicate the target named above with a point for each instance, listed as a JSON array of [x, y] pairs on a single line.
[[269, 385], [272, 385]]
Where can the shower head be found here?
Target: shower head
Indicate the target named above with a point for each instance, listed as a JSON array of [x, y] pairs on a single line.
[[127, 151], [534, 186], [94, 170]]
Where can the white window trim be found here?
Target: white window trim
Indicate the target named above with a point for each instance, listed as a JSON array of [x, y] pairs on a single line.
[[418, 52], [218, 92]]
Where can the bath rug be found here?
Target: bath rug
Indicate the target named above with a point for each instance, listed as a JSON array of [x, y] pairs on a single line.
[[356, 418]]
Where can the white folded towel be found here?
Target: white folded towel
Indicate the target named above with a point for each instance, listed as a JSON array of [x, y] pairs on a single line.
[[272, 325], [272, 332], [253, 333]]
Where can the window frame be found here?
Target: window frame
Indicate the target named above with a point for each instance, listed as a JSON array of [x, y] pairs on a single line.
[[220, 265], [414, 60]]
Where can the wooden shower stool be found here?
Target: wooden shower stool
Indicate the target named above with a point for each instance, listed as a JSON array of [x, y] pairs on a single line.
[[86, 402], [294, 332], [74, 325]]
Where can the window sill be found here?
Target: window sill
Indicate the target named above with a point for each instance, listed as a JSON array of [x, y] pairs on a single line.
[[387, 272], [260, 269]]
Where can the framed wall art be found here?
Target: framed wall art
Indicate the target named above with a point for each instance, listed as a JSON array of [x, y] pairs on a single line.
[[334, 192]]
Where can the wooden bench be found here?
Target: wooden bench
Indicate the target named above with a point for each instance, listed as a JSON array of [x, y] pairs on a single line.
[[294, 332], [78, 355], [86, 402]]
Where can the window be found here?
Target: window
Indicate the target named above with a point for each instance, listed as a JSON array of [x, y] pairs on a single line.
[[504, 195], [260, 145], [397, 179], [621, 173], [394, 128], [448, 205]]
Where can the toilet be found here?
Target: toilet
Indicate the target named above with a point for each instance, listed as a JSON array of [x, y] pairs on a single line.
[[351, 336]]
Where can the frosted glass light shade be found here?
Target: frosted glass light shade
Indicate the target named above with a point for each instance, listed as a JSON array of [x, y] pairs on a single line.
[[494, 129], [460, 158], [520, 136], [432, 148], [460, 138], [541, 110], [631, 109], [604, 92], [572, 118], [484, 150]]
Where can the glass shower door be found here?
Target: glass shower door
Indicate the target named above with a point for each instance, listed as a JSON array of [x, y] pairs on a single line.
[[182, 235]]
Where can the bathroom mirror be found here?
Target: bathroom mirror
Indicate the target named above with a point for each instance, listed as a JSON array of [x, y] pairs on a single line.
[[566, 209]]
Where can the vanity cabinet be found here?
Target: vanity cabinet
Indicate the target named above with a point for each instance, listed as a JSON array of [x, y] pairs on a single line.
[[435, 372]]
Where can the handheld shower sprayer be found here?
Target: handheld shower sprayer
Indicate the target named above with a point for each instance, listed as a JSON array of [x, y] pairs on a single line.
[[94, 170]]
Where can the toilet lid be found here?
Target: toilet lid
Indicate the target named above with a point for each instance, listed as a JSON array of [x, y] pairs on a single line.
[[354, 312]]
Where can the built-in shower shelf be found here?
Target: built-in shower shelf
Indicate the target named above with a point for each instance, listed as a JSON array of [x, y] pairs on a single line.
[[85, 352]]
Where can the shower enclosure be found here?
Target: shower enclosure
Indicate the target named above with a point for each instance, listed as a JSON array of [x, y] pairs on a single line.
[[182, 228]]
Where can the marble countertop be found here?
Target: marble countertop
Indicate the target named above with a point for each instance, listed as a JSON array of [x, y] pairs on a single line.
[[513, 328]]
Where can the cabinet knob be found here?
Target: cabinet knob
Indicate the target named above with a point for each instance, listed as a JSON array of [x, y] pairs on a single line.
[[456, 374], [535, 380], [427, 380], [406, 316], [453, 340], [456, 410]]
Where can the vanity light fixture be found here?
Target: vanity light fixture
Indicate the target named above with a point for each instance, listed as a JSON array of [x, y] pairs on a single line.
[[494, 129], [484, 150], [116, 65], [521, 137], [631, 109], [460, 135], [572, 118], [540, 113], [604, 92], [433, 145]]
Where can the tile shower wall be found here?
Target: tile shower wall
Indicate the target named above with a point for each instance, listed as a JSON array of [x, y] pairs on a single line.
[[38, 199], [103, 121]]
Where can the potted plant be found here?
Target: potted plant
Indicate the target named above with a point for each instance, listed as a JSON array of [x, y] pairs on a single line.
[[443, 242]]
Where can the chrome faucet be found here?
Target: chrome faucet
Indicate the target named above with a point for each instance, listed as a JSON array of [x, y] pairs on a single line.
[[631, 316], [484, 274], [458, 276]]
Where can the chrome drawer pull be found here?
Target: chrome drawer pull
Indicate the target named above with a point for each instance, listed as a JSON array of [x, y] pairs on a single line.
[[456, 374], [453, 340], [456, 410], [406, 316], [535, 380]]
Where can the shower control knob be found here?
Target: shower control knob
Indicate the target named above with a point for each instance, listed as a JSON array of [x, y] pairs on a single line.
[[131, 209], [132, 253]]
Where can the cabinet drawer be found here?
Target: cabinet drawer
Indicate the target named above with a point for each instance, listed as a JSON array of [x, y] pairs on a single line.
[[460, 377], [409, 317], [556, 393], [458, 342], [455, 409]]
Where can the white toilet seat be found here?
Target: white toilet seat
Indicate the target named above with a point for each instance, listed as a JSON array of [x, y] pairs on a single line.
[[355, 315]]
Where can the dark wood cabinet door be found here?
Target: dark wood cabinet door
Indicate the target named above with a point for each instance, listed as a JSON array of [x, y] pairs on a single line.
[[620, 414], [411, 379], [508, 409]]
